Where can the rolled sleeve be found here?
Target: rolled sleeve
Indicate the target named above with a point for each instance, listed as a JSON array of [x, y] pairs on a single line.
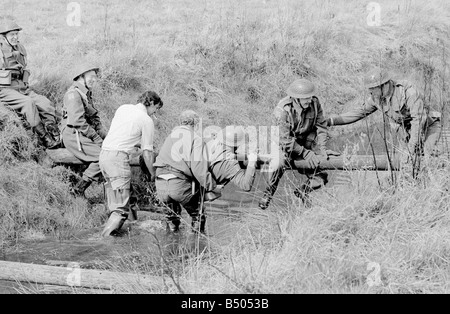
[[148, 134]]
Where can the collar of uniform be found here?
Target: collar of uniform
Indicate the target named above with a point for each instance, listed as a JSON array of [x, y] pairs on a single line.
[[4, 44], [297, 107], [81, 87], [141, 107]]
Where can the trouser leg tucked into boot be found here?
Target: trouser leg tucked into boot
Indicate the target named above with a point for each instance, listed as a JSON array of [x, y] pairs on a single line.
[[173, 226], [274, 180], [313, 183], [173, 217]]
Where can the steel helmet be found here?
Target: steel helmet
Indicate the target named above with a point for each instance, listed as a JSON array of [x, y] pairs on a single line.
[[84, 68], [9, 26], [301, 88], [233, 136], [376, 78]]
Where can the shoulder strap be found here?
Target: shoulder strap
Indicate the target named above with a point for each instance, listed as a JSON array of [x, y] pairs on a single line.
[[3, 60], [83, 96], [316, 109], [284, 102]]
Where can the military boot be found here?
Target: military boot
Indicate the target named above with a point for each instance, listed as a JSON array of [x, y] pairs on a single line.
[[265, 200], [198, 225], [303, 193], [54, 132], [46, 139], [80, 188], [173, 225]]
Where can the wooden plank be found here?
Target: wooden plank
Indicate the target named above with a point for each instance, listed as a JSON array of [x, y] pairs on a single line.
[[76, 277]]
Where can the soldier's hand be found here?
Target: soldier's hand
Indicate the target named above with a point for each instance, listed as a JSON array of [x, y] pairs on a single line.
[[332, 153], [102, 133], [252, 159], [311, 158], [324, 153], [97, 140]]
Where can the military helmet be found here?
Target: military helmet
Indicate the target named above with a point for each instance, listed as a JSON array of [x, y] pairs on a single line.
[[80, 70], [301, 88], [376, 78], [233, 136], [9, 26]]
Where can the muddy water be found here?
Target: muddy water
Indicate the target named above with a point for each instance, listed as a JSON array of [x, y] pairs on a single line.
[[141, 244]]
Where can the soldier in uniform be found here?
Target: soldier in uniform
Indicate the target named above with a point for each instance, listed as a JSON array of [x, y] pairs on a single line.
[[225, 167], [303, 136], [81, 128], [183, 177], [15, 93], [401, 103]]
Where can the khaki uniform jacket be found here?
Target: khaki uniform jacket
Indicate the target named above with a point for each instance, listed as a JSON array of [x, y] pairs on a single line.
[[80, 113], [15, 59], [405, 108], [184, 154], [297, 127]]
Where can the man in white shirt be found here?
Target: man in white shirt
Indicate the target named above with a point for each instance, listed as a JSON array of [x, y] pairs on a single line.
[[131, 125]]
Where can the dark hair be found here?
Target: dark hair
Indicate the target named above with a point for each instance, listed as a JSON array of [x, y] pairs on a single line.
[[149, 96]]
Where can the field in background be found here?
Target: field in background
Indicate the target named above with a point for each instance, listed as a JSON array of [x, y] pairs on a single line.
[[231, 61]]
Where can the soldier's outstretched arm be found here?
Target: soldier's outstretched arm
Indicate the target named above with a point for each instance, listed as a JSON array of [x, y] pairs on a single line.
[[354, 115], [242, 178]]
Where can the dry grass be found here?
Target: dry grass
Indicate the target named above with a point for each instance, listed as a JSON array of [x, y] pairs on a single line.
[[231, 61]]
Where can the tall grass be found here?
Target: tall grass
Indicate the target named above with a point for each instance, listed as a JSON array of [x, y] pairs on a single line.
[[231, 61]]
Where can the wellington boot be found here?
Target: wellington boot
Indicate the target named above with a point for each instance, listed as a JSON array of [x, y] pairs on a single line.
[[114, 223]]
